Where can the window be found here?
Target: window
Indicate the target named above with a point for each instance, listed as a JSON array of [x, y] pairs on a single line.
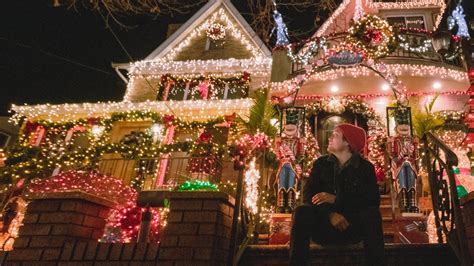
[[213, 45], [4, 139], [413, 22]]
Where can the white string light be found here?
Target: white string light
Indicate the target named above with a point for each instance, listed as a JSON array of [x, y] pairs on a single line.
[[405, 45], [371, 4], [198, 110], [360, 71], [152, 70], [229, 26], [251, 187]]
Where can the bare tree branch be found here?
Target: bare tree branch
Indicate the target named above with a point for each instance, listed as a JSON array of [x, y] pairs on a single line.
[[260, 12]]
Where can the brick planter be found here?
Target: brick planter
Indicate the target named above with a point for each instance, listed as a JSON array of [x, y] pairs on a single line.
[[198, 229], [54, 219]]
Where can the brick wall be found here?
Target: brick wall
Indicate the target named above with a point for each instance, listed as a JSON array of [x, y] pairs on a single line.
[[63, 229], [198, 229], [84, 253]]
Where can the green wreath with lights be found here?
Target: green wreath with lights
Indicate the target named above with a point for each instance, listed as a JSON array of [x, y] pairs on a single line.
[[373, 35]]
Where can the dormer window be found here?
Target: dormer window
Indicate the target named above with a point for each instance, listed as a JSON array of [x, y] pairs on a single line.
[[412, 22], [213, 45]]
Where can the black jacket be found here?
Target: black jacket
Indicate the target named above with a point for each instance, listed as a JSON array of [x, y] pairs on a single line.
[[354, 185]]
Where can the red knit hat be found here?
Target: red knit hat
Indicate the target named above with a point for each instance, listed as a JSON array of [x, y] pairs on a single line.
[[354, 135]]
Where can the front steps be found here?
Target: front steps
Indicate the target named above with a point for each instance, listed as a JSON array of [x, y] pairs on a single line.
[[395, 255]]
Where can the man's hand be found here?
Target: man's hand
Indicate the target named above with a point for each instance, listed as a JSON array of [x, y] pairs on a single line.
[[338, 221], [323, 197]]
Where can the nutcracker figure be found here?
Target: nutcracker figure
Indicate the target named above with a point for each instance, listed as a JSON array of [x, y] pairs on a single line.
[[403, 149], [290, 151]]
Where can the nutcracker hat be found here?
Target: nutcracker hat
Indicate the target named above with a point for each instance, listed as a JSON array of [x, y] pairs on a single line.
[[354, 135], [292, 116], [401, 116]]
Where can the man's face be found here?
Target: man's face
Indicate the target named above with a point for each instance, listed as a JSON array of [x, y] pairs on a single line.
[[337, 142]]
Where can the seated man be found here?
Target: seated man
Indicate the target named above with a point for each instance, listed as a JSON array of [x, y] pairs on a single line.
[[341, 201]]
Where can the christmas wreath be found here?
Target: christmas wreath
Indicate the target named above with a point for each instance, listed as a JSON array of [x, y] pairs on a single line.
[[372, 35]]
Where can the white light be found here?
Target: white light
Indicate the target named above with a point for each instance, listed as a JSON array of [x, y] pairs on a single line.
[[156, 128], [382, 102], [97, 130], [436, 85], [334, 88], [385, 87]]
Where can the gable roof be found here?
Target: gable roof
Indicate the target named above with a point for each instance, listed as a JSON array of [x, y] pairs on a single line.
[[181, 37], [346, 10]]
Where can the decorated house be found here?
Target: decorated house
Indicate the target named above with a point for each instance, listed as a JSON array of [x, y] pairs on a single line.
[[178, 110], [201, 113]]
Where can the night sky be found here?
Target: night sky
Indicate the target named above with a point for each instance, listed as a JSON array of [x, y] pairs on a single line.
[[56, 55]]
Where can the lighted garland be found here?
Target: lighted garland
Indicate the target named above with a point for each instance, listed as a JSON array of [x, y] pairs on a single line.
[[373, 35], [339, 105], [308, 51], [216, 31], [422, 48], [197, 185], [123, 221], [171, 85], [30, 162]]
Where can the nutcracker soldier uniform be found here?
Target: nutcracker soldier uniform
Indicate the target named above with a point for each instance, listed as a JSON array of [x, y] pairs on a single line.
[[290, 150], [402, 149]]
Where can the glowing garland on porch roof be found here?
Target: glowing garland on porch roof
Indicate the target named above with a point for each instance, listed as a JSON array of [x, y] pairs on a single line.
[[361, 71], [221, 16], [198, 110], [375, 95], [220, 66]]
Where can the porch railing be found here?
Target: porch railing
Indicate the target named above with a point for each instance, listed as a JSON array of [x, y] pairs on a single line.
[[415, 39], [439, 160], [175, 170]]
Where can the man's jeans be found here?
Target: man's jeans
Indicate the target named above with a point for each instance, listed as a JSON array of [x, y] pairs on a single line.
[[309, 224]]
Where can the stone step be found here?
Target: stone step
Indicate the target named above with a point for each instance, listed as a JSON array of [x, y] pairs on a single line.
[[385, 200], [386, 210], [395, 254]]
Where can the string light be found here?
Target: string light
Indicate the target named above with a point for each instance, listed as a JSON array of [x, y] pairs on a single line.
[[372, 4], [458, 18], [307, 53], [358, 11], [196, 110], [280, 27], [123, 221], [373, 35], [405, 45], [216, 31], [251, 187], [31, 161], [235, 32], [197, 185], [7, 239], [413, 70]]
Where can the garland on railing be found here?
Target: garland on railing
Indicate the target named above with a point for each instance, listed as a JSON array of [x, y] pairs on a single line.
[[56, 150]]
